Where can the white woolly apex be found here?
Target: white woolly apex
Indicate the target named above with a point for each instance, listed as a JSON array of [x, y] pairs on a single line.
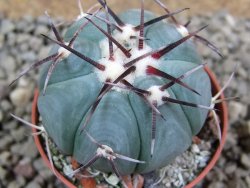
[[113, 69], [64, 53], [105, 152], [141, 65], [124, 37], [182, 30], [156, 95]]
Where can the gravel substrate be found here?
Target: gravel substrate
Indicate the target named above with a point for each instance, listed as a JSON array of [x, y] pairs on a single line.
[[21, 44]]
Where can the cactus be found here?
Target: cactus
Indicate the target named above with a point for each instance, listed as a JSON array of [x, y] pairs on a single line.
[[124, 94]]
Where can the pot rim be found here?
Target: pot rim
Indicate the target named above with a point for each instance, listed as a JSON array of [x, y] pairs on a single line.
[[223, 114]]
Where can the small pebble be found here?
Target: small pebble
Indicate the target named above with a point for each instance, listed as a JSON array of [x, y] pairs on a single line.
[[25, 169], [245, 160], [236, 110], [5, 157], [33, 185], [6, 26], [20, 96]]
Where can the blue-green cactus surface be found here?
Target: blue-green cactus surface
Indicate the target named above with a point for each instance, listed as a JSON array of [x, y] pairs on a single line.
[[123, 119]]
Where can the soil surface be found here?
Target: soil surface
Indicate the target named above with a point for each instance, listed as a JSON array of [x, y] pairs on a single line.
[[68, 9]]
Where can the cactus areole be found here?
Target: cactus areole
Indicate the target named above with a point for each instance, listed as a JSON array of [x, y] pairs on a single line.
[[130, 94]]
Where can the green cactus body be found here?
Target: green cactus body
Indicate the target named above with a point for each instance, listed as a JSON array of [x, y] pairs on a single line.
[[122, 120]]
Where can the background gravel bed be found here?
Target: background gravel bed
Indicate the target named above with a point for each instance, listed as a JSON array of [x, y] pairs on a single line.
[[21, 44]]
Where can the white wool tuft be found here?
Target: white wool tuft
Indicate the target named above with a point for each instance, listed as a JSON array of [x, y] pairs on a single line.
[[105, 152], [157, 94], [182, 30], [141, 65], [113, 69], [124, 36], [65, 53]]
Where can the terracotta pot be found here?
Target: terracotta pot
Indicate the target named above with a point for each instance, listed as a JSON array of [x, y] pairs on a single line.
[[223, 115]]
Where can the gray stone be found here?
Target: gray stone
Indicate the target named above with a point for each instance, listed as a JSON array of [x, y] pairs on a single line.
[[228, 67], [231, 140], [43, 20], [236, 183], [44, 52], [233, 44], [243, 87], [16, 149], [27, 149], [24, 47], [9, 64], [14, 184], [7, 26], [5, 158], [242, 57], [22, 37], [230, 20], [245, 160], [14, 160], [58, 184], [24, 82], [3, 173], [242, 73], [21, 24], [25, 169], [244, 37], [33, 185], [20, 96], [35, 43], [2, 74], [41, 29], [11, 39], [5, 142], [14, 52], [19, 134], [236, 111], [11, 125], [244, 129], [244, 143], [230, 168], [28, 18], [29, 56], [241, 173], [5, 105], [46, 173], [217, 185], [21, 180], [26, 24], [39, 164], [30, 28], [19, 111], [38, 179]]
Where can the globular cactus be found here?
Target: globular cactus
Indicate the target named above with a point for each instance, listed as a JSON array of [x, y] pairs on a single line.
[[125, 93]]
